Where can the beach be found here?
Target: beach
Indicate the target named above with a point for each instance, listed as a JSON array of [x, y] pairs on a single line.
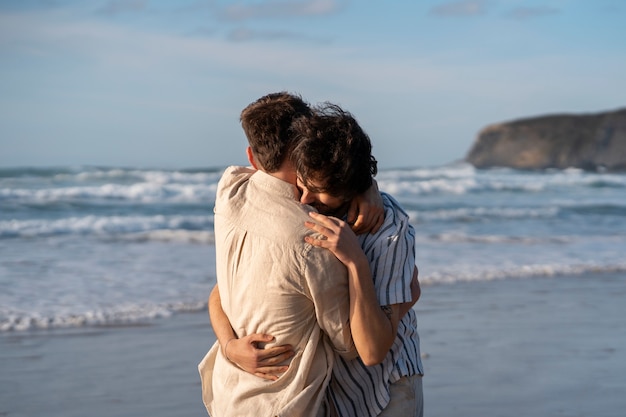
[[142, 370], [549, 346], [105, 274], [535, 347]]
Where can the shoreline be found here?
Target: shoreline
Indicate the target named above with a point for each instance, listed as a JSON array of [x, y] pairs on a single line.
[[548, 346], [122, 371]]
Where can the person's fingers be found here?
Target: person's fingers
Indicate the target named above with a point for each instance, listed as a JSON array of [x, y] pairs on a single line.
[[271, 373], [277, 350], [379, 222], [258, 338], [359, 225], [328, 230], [267, 377], [276, 359], [316, 227], [323, 243], [370, 223], [328, 221], [323, 227], [273, 370], [325, 232], [353, 212], [274, 355]]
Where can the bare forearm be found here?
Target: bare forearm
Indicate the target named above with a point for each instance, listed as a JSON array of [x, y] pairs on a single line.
[[372, 330], [221, 325]]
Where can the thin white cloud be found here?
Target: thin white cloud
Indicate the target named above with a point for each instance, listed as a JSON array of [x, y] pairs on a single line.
[[116, 7], [102, 48], [279, 9], [204, 31], [245, 35], [523, 13], [461, 8]]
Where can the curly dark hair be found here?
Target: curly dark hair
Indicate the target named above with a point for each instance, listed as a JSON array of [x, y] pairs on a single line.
[[333, 151], [266, 123]]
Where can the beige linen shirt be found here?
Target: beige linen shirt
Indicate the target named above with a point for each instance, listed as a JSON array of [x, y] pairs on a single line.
[[271, 281]]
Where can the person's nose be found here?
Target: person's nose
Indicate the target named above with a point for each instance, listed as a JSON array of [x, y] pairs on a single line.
[[306, 197]]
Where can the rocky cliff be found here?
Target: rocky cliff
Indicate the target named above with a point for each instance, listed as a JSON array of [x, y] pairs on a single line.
[[590, 141]]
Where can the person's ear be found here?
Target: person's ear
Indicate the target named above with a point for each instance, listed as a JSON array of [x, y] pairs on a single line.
[[251, 157]]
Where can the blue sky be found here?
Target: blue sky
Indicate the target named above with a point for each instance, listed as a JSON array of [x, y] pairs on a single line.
[[147, 83]]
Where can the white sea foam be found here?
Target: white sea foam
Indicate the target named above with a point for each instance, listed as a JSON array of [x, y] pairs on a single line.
[[150, 176], [457, 237], [167, 235], [122, 315], [144, 192], [131, 314], [99, 246], [462, 179], [489, 273], [478, 213], [108, 225]]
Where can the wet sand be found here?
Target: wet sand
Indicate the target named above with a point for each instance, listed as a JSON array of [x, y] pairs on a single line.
[[533, 347]]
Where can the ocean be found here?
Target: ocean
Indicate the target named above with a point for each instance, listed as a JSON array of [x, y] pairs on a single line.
[[105, 274], [93, 246]]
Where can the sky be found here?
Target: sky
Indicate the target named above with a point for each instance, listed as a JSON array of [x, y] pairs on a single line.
[[160, 84]]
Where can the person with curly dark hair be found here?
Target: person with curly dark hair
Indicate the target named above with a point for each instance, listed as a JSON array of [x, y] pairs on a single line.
[[333, 163]]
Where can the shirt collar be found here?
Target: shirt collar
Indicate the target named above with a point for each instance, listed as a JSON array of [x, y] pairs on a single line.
[[275, 186]]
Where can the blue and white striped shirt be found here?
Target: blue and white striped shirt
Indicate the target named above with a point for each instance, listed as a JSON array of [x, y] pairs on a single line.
[[358, 390]]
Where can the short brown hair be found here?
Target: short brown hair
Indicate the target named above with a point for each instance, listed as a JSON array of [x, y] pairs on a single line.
[[267, 122]]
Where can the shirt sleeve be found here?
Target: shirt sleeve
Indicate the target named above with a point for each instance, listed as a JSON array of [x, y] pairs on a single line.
[[327, 281], [391, 254]]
